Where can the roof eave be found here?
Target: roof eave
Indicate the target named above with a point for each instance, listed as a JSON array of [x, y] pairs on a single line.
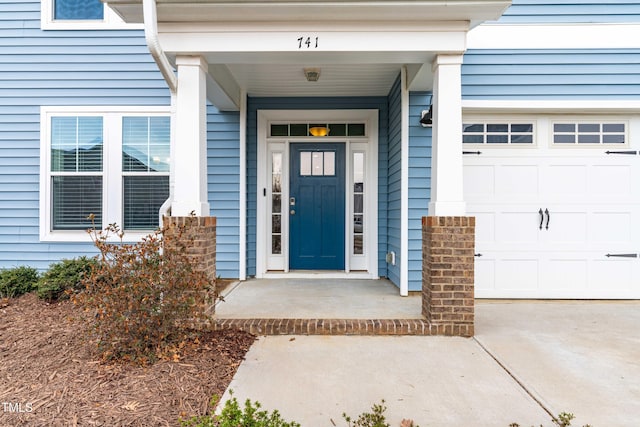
[[473, 11]]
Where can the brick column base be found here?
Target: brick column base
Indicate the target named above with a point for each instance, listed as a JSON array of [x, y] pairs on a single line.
[[448, 245], [199, 235]]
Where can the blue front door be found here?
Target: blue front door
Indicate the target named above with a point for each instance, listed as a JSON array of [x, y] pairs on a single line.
[[317, 206]]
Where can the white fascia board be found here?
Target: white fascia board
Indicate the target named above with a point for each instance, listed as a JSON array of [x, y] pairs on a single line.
[[188, 41], [578, 106], [315, 25], [555, 36]]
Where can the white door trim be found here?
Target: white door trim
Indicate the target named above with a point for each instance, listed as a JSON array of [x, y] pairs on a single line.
[[352, 144]]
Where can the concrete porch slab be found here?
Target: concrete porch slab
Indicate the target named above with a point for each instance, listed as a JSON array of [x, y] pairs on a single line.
[[318, 299], [324, 307]]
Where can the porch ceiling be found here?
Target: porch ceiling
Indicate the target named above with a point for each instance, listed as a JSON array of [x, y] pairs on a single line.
[[281, 74], [335, 79]]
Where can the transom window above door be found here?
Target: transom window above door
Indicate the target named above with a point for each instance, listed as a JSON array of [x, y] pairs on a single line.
[[317, 129]]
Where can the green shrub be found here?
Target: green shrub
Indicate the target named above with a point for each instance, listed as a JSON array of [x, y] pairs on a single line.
[[17, 281], [144, 295], [233, 416], [563, 420], [375, 418], [64, 277]]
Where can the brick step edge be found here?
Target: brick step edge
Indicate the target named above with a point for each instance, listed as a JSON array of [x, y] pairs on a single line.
[[419, 327]]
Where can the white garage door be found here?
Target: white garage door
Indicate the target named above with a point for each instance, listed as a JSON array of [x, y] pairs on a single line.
[[557, 208]]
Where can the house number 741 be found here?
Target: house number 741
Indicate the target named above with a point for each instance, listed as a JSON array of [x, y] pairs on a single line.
[[309, 42]]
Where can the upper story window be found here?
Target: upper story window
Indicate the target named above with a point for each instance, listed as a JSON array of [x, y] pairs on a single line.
[[113, 165], [498, 133], [78, 9], [588, 133], [80, 15]]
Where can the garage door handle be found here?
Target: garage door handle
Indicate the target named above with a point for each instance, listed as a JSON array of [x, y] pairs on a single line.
[[548, 217], [622, 255], [541, 217]]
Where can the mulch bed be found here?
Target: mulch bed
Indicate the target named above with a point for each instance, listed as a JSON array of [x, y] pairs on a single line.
[[50, 372]]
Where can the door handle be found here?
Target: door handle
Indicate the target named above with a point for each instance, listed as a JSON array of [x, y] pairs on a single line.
[[548, 217], [541, 217]]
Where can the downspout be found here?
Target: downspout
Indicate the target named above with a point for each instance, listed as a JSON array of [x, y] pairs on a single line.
[[150, 18], [151, 36]]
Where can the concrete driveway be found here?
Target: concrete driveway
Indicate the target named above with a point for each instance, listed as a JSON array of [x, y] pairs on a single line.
[[528, 360], [579, 357]]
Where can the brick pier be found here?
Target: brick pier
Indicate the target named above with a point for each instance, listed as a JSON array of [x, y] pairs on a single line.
[[448, 245], [199, 236]]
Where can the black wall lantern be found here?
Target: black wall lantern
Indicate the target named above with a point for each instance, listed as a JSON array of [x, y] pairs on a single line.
[[426, 118]]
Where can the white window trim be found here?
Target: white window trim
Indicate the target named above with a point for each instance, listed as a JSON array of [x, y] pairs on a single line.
[[510, 108], [111, 20], [555, 36], [112, 169], [543, 119]]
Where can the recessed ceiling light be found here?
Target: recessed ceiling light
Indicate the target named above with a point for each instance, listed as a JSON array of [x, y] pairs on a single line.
[[312, 74]]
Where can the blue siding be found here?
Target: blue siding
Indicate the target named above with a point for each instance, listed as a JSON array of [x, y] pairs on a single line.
[[337, 103], [551, 74], [78, 68], [395, 180], [419, 183], [572, 11], [223, 184]]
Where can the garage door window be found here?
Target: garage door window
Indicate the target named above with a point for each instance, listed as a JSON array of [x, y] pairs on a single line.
[[498, 134], [588, 133]]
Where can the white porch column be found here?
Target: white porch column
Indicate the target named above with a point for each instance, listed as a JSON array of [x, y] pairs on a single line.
[[190, 142], [446, 163]]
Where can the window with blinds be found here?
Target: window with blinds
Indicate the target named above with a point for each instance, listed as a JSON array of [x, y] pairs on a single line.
[[76, 172], [145, 167], [111, 165]]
